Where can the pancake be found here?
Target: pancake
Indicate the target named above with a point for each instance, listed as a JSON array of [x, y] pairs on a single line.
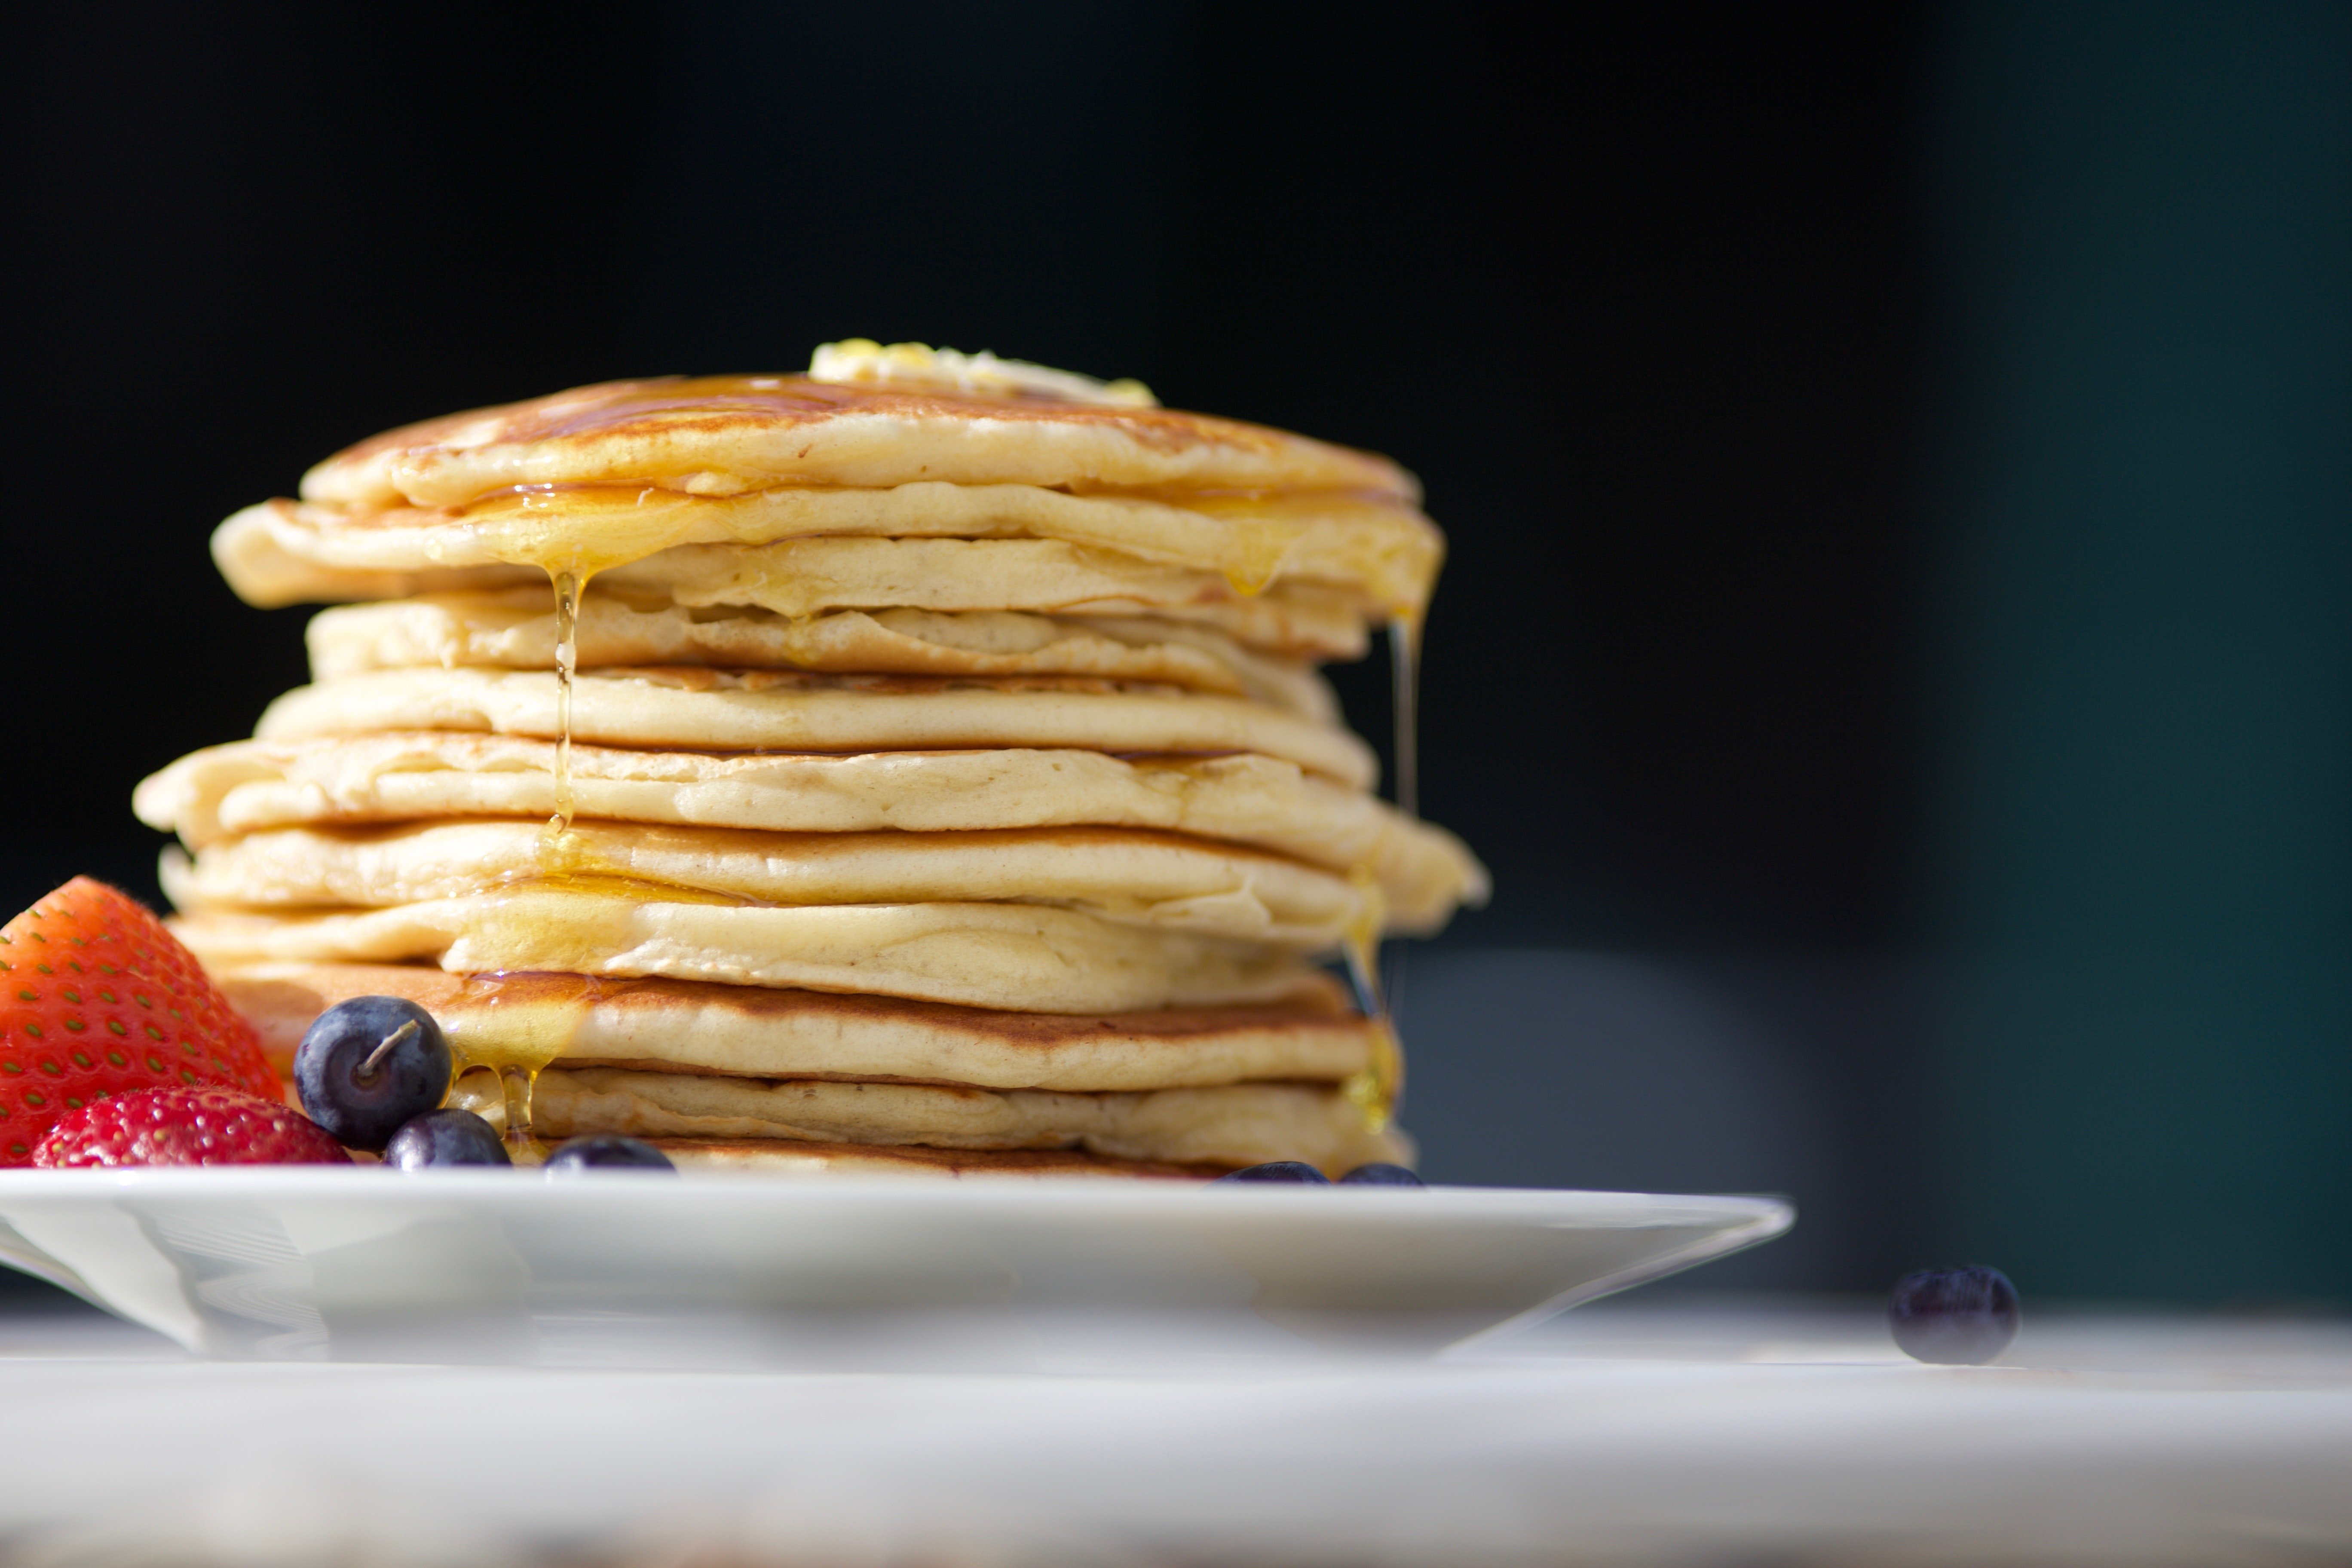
[[1235, 1124], [1019, 957], [871, 423], [1122, 875], [1382, 549], [944, 783], [514, 629], [804, 577], [684, 706], [252, 786], [778, 1157], [672, 1026]]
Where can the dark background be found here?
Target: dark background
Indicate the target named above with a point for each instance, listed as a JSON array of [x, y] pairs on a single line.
[[1661, 301], [1636, 297]]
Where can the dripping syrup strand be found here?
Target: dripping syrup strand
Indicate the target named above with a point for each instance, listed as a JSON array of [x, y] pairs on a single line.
[[1373, 1090], [516, 1084], [556, 844], [567, 664], [1404, 705]]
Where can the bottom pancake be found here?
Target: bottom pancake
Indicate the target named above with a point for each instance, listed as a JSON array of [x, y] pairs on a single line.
[[698, 1156], [1235, 1124], [683, 1027]]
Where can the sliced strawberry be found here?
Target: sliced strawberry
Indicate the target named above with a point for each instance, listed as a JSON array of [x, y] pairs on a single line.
[[205, 1126], [96, 998]]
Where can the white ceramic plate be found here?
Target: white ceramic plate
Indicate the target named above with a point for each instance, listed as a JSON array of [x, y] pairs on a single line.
[[295, 1263]]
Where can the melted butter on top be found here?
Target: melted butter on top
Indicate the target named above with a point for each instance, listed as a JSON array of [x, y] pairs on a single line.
[[862, 361]]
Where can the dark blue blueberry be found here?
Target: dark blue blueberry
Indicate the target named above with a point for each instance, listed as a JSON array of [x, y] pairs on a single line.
[[1954, 1317], [1277, 1171], [370, 1065], [1380, 1173], [450, 1137], [607, 1151]]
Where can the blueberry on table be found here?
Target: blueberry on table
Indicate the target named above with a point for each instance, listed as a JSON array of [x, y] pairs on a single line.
[[1380, 1173], [1277, 1171], [451, 1137], [1953, 1316], [368, 1066], [606, 1152]]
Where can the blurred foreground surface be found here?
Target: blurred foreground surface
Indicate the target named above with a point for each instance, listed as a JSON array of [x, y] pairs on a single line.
[[1658, 1429]]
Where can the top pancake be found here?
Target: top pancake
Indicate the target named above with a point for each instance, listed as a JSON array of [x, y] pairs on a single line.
[[733, 433]]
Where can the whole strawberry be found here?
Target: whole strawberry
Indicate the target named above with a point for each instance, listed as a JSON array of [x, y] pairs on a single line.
[[187, 1127], [96, 998]]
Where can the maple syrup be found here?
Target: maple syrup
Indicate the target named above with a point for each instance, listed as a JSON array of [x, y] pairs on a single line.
[[503, 1035], [531, 1018], [567, 667], [1373, 1090], [1405, 707]]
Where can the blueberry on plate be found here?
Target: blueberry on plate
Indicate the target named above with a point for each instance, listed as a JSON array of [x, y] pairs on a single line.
[[1277, 1171], [368, 1066], [1953, 1316], [1380, 1173], [606, 1152], [450, 1137]]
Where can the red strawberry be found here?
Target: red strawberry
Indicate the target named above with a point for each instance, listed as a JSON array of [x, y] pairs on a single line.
[[96, 998], [187, 1127]]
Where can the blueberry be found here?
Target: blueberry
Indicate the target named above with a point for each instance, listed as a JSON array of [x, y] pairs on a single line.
[[451, 1137], [1277, 1171], [1954, 1317], [1382, 1175], [369, 1065], [606, 1152]]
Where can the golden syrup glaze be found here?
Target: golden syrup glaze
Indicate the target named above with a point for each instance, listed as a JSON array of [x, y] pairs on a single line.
[[1375, 1090], [546, 538], [715, 434], [564, 862], [512, 1027], [1404, 708], [1368, 544]]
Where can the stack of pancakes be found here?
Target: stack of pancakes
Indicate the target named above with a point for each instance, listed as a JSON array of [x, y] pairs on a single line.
[[915, 765]]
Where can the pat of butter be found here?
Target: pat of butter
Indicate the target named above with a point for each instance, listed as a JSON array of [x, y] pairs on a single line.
[[861, 362]]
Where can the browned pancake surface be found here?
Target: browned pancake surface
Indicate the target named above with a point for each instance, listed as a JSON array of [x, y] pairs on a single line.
[[667, 429]]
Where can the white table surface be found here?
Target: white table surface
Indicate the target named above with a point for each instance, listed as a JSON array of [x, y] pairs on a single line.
[[1652, 1429]]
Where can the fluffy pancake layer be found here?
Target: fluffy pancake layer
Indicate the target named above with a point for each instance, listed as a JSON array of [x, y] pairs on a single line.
[[1238, 1124], [731, 434], [515, 629], [254, 786], [1130, 878], [803, 577], [684, 1026], [1380, 548], [1021, 957], [707, 709], [778, 1157]]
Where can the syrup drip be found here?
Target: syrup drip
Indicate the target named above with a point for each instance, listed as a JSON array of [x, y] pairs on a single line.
[[507, 1028], [1405, 707], [559, 852], [568, 586], [1373, 1090]]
